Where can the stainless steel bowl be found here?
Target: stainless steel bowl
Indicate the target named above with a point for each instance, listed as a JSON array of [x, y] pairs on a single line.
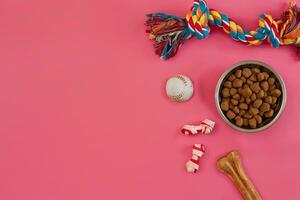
[[281, 102]]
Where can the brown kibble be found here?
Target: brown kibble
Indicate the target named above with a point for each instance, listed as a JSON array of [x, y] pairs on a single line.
[[245, 122], [233, 91], [252, 123], [226, 99], [239, 121], [266, 75], [258, 119], [257, 103], [253, 97], [230, 114], [236, 110], [242, 99], [247, 115], [247, 72], [271, 81], [225, 105], [242, 112], [246, 85], [249, 82], [243, 79], [261, 113], [231, 106], [246, 92], [240, 91], [236, 96], [225, 92], [273, 106], [234, 102], [243, 106], [272, 87], [238, 73], [255, 70], [261, 94], [260, 77], [228, 84], [237, 83], [253, 78], [274, 99], [231, 77], [268, 99], [253, 111], [248, 100], [255, 87], [264, 85], [276, 93], [269, 113], [264, 107]]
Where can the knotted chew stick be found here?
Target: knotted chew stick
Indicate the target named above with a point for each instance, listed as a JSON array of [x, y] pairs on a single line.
[[205, 127], [169, 31], [192, 166], [231, 165]]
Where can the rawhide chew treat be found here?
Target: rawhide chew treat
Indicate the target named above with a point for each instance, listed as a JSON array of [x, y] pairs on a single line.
[[249, 96], [205, 127], [169, 32], [231, 165], [192, 166]]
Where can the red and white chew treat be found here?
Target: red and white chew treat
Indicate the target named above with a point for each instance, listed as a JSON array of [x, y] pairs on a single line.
[[192, 165], [205, 127]]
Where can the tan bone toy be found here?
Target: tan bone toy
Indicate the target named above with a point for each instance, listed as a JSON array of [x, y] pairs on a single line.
[[231, 165]]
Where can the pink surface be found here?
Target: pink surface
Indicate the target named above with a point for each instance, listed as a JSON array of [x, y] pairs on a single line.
[[84, 115]]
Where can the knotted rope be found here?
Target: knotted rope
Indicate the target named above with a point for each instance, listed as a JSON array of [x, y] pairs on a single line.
[[169, 31]]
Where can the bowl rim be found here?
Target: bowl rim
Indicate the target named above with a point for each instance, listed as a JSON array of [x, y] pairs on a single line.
[[217, 98]]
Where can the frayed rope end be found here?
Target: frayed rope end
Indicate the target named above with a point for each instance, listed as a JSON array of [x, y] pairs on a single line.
[[168, 32]]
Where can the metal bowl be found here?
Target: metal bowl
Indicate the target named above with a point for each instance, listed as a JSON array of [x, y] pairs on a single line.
[[280, 102]]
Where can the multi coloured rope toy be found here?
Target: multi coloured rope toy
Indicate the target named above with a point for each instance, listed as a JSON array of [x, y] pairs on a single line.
[[169, 31]]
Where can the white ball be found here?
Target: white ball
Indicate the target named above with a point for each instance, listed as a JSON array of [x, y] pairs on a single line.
[[179, 88]]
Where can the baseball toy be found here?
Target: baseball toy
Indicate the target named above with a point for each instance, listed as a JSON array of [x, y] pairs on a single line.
[[179, 88], [192, 166], [205, 127], [169, 32]]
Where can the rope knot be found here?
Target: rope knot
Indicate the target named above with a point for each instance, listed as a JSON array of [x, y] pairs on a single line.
[[197, 19], [268, 29]]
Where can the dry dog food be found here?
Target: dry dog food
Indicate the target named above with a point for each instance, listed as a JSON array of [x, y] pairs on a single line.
[[249, 96]]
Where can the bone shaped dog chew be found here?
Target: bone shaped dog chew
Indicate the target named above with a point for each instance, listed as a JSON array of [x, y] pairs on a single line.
[[231, 165]]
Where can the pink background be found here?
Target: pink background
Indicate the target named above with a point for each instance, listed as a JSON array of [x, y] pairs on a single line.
[[84, 114]]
